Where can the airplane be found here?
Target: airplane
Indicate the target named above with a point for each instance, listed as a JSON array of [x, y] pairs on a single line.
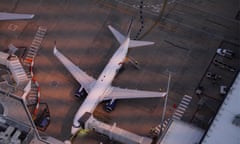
[[14, 16], [98, 90]]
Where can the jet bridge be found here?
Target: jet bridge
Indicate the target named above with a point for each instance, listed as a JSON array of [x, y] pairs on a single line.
[[114, 132]]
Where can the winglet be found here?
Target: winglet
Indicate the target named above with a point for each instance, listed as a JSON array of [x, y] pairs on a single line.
[[14, 16], [55, 48]]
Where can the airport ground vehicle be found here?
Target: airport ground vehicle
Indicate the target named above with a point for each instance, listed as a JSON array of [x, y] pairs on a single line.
[[213, 76], [43, 118], [225, 53]]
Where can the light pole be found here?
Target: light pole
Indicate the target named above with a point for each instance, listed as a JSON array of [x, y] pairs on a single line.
[[165, 102]]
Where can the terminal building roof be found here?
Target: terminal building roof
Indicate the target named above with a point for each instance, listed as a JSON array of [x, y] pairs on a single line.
[[16, 125], [225, 127], [180, 132]]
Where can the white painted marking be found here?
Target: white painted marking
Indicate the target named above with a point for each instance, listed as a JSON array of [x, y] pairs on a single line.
[[12, 27], [188, 96], [183, 102]]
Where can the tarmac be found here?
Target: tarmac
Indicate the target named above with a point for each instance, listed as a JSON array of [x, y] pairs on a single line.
[[186, 39]]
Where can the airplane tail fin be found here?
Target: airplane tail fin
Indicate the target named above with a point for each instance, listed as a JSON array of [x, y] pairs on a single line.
[[121, 38]]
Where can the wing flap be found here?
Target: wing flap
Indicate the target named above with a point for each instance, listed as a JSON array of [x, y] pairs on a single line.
[[119, 93], [82, 78]]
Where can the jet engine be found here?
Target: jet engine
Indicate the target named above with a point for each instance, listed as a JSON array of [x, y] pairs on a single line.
[[110, 105], [81, 92]]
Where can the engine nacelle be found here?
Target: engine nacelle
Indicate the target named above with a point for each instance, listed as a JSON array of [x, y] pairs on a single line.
[[110, 105], [81, 92]]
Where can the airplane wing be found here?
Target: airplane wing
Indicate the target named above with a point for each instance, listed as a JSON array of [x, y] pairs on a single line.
[[82, 78], [14, 16], [119, 93]]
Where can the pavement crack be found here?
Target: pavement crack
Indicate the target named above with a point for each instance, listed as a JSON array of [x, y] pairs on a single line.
[[216, 23], [175, 45]]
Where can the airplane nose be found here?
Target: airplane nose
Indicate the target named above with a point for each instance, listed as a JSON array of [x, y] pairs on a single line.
[[67, 142], [74, 130]]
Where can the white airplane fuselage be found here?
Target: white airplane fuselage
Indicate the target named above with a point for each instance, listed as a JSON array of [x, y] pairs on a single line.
[[102, 84]]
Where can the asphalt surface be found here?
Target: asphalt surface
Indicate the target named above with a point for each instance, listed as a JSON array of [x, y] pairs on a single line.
[[186, 39]]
